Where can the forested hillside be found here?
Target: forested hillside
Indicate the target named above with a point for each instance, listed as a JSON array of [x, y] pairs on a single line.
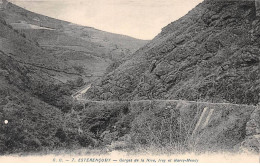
[[210, 54]]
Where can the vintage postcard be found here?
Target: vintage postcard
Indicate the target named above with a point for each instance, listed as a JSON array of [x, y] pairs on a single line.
[[130, 81]]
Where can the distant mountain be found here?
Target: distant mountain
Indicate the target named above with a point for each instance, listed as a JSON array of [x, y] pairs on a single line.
[[87, 50], [211, 54]]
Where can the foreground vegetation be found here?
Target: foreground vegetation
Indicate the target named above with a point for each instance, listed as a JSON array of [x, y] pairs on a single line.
[[43, 117], [169, 127]]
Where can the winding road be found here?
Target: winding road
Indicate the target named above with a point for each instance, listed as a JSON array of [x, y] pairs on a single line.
[[79, 94]]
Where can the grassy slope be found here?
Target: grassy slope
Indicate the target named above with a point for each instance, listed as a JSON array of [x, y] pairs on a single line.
[[69, 42], [211, 54]]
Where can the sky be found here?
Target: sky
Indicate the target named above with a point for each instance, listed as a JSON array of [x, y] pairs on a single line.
[[142, 19]]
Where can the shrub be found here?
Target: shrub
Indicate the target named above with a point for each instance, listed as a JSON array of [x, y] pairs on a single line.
[[61, 135], [85, 140], [23, 35]]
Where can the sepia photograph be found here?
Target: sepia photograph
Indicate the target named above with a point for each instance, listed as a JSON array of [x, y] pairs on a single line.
[[130, 81]]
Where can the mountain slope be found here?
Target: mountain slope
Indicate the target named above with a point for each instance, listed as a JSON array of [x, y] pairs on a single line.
[[32, 99], [211, 54], [86, 49], [29, 119], [40, 67]]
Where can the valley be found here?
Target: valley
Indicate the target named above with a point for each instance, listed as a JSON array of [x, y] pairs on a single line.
[[85, 50], [194, 88], [42, 64]]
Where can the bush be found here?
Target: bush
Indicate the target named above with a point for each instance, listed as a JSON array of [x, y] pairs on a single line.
[[64, 103], [58, 95], [78, 107], [86, 141], [31, 127], [23, 35], [61, 135], [79, 82]]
